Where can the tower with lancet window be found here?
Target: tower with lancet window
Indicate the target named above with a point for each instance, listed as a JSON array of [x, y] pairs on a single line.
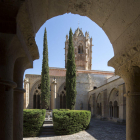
[[83, 50]]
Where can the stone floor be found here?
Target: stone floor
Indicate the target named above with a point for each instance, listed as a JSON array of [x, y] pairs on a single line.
[[98, 130]]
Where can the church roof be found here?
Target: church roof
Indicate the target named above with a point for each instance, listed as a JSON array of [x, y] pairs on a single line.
[[78, 32]]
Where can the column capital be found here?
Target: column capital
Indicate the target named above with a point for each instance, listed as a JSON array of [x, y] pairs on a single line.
[[54, 81], [127, 65], [126, 60], [8, 83], [26, 80]]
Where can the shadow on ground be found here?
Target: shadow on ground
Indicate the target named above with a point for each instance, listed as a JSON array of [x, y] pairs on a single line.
[[106, 130]]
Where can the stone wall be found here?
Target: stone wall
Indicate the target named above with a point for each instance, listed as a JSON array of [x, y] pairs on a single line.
[[86, 81], [110, 92]]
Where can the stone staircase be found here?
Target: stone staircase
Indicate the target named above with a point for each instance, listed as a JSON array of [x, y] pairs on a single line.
[[47, 129]]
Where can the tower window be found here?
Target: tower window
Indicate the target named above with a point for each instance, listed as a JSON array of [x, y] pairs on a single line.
[[80, 49]]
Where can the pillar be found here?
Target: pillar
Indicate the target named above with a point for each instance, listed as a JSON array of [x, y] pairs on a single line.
[[53, 94], [18, 114], [131, 77], [91, 105], [18, 98], [26, 94], [94, 105], [121, 103], [104, 104], [7, 60], [127, 65], [6, 109]]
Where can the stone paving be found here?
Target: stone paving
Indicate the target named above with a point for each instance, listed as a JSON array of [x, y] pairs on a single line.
[[98, 130]]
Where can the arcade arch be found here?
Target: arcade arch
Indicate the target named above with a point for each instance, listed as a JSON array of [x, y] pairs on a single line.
[[61, 96], [119, 19], [114, 103]]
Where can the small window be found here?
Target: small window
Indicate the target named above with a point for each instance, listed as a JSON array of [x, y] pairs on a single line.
[[80, 49], [94, 87]]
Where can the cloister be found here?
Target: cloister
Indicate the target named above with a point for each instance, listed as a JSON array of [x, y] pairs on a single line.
[[19, 22]]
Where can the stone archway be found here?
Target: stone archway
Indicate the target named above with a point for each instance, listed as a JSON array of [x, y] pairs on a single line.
[[37, 97], [63, 100], [119, 19], [113, 101], [34, 94], [61, 96]]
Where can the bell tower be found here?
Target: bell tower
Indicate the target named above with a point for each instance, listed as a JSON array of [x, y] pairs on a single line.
[[83, 50]]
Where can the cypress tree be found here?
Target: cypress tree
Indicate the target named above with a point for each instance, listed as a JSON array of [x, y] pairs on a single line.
[[71, 75], [45, 79]]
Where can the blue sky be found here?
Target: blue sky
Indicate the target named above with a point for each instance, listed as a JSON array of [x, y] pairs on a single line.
[[57, 29]]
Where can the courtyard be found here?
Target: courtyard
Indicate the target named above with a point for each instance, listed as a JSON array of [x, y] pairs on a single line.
[[98, 130]]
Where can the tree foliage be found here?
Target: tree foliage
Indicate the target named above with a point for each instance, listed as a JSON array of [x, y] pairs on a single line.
[[45, 79], [71, 75]]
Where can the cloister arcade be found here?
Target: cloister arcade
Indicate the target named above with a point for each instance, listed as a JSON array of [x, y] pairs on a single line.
[[35, 96], [19, 22], [107, 105], [113, 103]]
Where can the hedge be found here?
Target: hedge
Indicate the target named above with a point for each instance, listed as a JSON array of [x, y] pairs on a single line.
[[32, 121], [70, 121]]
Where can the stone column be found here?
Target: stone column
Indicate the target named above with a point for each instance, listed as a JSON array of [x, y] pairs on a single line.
[[129, 70], [7, 60], [26, 94], [53, 94], [6, 111], [18, 114], [91, 105], [104, 104], [132, 82], [94, 105], [18, 98], [121, 103]]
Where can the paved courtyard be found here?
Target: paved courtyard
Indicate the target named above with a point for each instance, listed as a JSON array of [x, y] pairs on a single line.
[[98, 130]]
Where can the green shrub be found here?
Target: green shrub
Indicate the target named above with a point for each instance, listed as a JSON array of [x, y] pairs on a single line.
[[70, 121], [32, 121]]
